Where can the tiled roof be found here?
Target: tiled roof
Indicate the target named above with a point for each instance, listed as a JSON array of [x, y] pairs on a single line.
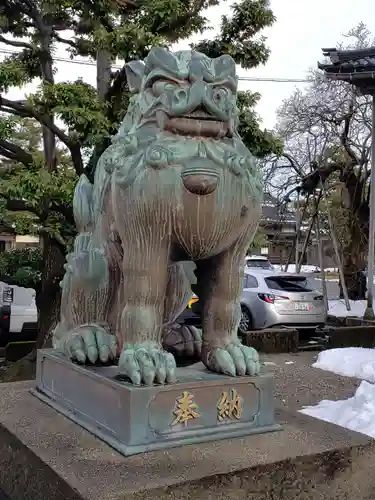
[[349, 61], [356, 67]]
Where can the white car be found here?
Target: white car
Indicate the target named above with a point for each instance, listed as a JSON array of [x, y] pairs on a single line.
[[258, 261], [18, 315]]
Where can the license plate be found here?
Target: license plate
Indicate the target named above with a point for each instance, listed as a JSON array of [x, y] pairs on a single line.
[[302, 307]]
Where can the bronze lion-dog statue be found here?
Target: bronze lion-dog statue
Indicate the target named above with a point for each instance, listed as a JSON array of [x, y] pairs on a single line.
[[174, 205]]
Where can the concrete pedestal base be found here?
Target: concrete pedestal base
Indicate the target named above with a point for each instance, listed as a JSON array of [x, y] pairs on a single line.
[[44, 455], [201, 406]]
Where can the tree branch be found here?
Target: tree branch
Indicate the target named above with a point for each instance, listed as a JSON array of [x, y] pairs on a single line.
[[321, 173], [344, 138], [60, 39], [293, 164], [20, 206], [65, 210], [33, 12], [127, 3], [14, 152], [15, 43], [26, 111], [20, 109]]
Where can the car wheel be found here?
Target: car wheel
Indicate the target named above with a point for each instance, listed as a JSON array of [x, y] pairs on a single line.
[[246, 322]]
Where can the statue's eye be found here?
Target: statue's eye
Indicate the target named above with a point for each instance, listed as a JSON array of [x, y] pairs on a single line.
[[161, 86], [218, 93]]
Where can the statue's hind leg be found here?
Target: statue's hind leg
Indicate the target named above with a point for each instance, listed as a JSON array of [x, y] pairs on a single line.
[[145, 276], [183, 341], [220, 281], [86, 332]]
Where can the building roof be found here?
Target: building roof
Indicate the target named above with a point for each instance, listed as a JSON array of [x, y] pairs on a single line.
[[353, 66], [274, 211]]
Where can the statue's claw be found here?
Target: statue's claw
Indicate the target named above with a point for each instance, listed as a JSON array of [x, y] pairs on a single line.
[[91, 343], [147, 363], [184, 342], [233, 359]]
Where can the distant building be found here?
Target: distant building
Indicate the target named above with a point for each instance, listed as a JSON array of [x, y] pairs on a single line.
[[278, 224], [10, 240]]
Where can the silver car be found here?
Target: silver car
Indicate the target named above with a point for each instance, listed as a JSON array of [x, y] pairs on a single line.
[[272, 298]]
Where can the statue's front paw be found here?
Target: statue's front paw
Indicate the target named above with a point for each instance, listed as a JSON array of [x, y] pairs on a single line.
[[233, 359], [147, 363], [90, 343]]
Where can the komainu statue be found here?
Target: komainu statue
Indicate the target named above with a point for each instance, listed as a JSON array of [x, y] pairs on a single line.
[[175, 202]]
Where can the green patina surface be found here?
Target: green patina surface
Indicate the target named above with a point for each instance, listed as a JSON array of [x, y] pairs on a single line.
[[175, 203]]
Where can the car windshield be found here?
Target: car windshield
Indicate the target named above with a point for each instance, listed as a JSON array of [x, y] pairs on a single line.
[[289, 283], [260, 263]]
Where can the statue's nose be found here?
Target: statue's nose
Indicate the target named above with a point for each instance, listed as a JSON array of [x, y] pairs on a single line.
[[198, 90], [199, 183]]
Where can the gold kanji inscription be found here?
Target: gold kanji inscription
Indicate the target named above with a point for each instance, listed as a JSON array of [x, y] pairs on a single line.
[[230, 406], [185, 409]]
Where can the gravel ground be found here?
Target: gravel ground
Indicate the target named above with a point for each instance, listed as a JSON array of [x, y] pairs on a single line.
[[297, 384]]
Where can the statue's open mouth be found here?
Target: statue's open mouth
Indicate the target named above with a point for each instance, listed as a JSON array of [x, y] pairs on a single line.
[[198, 123]]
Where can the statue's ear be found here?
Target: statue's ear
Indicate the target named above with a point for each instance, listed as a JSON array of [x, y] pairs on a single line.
[[225, 66], [135, 71]]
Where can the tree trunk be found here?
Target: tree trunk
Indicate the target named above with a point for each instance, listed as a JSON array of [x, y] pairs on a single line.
[[354, 264], [354, 234], [355, 281], [49, 296]]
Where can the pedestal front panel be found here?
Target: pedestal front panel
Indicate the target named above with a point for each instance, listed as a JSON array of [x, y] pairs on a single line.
[[201, 406]]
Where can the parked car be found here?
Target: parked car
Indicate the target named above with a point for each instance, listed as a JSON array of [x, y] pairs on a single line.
[[271, 298], [258, 261], [18, 315]]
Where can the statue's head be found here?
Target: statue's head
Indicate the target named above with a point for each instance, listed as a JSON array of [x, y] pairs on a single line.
[[184, 93], [183, 112]]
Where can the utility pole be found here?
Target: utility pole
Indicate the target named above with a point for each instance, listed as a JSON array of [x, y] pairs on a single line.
[[369, 312], [298, 228], [357, 67]]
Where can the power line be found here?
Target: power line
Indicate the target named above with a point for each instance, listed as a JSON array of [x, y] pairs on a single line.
[[240, 78]]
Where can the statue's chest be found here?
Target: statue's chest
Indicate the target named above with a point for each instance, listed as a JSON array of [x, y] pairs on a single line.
[[204, 225]]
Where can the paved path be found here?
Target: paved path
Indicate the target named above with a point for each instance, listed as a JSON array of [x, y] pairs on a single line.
[[297, 384]]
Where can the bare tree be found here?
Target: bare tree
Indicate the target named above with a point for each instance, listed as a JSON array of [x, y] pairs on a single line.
[[327, 133]]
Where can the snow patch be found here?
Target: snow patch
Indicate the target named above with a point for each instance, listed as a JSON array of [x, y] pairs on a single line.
[[350, 361], [356, 413], [337, 308], [292, 268], [331, 270]]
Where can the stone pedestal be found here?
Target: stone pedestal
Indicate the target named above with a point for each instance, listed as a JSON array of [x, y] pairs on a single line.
[[44, 455], [201, 406]]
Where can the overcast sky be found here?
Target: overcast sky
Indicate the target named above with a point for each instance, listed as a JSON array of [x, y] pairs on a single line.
[[301, 30]]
